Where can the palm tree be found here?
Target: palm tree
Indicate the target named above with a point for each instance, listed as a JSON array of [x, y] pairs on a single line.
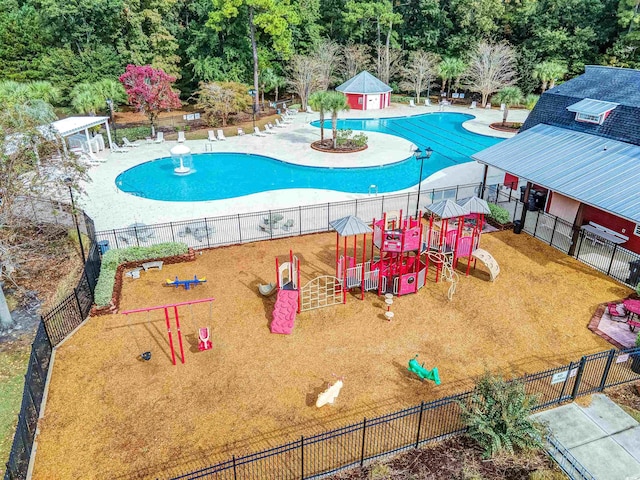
[[548, 73], [89, 98], [336, 102], [451, 68], [43, 91], [318, 102], [509, 96]]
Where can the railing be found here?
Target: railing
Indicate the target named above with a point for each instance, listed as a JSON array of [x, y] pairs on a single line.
[[371, 439]]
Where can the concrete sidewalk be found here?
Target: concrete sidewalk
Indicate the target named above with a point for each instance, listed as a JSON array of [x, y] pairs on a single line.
[[602, 437]]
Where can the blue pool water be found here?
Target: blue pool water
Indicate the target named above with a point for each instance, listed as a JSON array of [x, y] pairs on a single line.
[[217, 176]]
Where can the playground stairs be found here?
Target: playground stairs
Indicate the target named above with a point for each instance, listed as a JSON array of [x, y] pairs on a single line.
[[284, 311]]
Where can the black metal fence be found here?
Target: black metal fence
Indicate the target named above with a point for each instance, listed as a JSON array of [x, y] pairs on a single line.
[[32, 397], [372, 439]]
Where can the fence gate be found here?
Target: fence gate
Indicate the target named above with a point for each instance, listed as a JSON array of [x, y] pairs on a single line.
[[320, 292]]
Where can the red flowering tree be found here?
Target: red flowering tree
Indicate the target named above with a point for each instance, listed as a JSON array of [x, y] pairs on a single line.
[[149, 90]]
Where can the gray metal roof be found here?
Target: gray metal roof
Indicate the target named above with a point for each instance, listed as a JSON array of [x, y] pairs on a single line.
[[447, 209], [592, 107], [597, 171], [474, 205], [364, 82], [350, 225]]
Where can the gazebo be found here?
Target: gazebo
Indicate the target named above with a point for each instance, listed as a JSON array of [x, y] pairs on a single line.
[[366, 92], [72, 125]]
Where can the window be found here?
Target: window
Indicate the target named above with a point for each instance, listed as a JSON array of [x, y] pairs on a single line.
[[585, 117], [636, 231]]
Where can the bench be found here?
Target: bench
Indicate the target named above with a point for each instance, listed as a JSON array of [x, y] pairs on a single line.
[[149, 265], [135, 273]]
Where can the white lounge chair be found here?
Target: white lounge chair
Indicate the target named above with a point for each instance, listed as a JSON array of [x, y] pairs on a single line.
[[268, 129], [257, 132], [115, 148], [473, 104], [181, 137], [221, 135], [212, 136], [291, 111], [487, 106], [427, 102], [502, 107], [240, 132], [309, 109], [127, 143], [286, 120], [159, 137], [412, 103], [279, 124]]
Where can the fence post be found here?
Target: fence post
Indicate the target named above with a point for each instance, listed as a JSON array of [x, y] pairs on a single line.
[[239, 228], [576, 385], [75, 293], [356, 207], [457, 187], [302, 456], [206, 229], [535, 228], [235, 474], [613, 254], [364, 431], [607, 367], [419, 424], [173, 237], [116, 238], [300, 220], [555, 224], [382, 212], [564, 385], [328, 217]]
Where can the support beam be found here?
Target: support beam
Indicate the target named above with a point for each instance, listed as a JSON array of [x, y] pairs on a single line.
[[106, 124], [577, 223], [484, 181], [527, 191], [86, 134]]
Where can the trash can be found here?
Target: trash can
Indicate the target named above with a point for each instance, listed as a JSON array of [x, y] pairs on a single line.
[[522, 190], [634, 273], [517, 227], [541, 198], [103, 246], [531, 202]]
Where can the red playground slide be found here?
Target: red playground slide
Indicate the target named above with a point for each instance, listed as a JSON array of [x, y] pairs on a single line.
[[284, 311]]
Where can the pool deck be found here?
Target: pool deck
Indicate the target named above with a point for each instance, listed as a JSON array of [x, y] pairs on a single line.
[[112, 208]]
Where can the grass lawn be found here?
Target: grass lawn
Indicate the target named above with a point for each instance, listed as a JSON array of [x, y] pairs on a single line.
[[111, 415], [13, 365]]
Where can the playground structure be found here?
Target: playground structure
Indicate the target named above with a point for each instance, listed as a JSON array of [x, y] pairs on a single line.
[[186, 283], [396, 261], [330, 394], [423, 373], [206, 343]]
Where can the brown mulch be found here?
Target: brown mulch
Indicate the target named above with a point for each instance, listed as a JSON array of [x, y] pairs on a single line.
[[452, 459], [327, 147], [109, 415], [511, 127], [627, 394]]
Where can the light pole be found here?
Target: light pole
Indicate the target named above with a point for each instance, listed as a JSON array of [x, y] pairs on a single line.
[[420, 155], [115, 130], [69, 183], [252, 92]]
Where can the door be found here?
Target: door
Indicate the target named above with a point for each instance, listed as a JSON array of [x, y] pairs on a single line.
[[373, 102]]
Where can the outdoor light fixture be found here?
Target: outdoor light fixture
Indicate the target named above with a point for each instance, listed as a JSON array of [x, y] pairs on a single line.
[[420, 155]]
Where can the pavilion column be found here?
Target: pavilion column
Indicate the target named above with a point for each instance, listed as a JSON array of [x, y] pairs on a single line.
[[527, 191], [86, 134], [484, 181], [577, 223], [106, 124]]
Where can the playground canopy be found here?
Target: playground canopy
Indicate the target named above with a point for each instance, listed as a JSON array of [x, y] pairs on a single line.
[[447, 209], [474, 205], [350, 225]]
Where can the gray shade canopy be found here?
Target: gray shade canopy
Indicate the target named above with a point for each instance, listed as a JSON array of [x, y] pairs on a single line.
[[474, 205], [348, 226], [592, 107], [364, 82], [447, 209]]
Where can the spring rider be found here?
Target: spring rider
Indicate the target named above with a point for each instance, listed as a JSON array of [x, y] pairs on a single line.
[[422, 372]]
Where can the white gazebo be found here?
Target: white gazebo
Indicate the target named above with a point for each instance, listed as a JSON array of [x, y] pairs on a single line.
[[72, 125]]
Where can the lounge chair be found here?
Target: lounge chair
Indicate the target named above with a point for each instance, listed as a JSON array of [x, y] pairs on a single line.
[[212, 136], [127, 143], [201, 233], [412, 103], [487, 106], [473, 104], [240, 132], [279, 124], [309, 109], [257, 132], [181, 137], [268, 129], [115, 148], [221, 136], [427, 102], [292, 111], [286, 120], [159, 137]]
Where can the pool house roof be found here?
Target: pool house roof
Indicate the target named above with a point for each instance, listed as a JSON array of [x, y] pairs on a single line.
[[364, 82]]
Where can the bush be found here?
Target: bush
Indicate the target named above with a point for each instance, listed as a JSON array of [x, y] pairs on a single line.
[[499, 214], [360, 140], [530, 101], [346, 138], [133, 133], [343, 136], [113, 258], [295, 106], [497, 417]]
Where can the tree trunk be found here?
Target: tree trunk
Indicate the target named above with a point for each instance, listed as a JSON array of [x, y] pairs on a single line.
[[321, 112], [276, 94], [5, 316], [334, 128], [254, 48], [544, 86], [505, 113], [262, 96], [387, 58], [379, 49], [485, 97]]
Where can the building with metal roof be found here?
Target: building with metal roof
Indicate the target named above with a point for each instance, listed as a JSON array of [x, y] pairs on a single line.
[[580, 149], [366, 92]]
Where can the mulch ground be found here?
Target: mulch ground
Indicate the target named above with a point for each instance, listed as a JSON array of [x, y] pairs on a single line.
[[457, 459], [110, 415]]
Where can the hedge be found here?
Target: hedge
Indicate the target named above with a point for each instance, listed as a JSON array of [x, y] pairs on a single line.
[[113, 258], [499, 214]]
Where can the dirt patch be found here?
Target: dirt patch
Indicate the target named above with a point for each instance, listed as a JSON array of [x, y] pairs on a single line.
[[627, 394], [456, 458], [110, 415]]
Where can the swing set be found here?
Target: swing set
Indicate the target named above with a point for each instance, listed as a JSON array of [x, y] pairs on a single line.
[[204, 334]]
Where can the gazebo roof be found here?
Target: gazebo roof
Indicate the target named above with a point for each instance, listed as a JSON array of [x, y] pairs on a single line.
[[70, 125], [447, 209], [364, 82], [348, 226], [474, 205]]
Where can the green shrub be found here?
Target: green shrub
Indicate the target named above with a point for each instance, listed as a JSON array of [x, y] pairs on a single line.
[[360, 139], [530, 101], [499, 214], [497, 417], [115, 257], [133, 133], [343, 136], [346, 137], [295, 106], [638, 340]]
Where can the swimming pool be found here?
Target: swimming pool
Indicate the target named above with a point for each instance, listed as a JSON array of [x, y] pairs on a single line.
[[217, 176]]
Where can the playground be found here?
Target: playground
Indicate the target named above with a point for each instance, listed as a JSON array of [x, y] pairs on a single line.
[[110, 414]]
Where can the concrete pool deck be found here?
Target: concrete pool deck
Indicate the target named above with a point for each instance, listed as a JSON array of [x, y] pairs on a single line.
[[112, 208]]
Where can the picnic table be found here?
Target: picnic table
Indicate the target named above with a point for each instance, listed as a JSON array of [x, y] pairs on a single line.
[[633, 307]]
